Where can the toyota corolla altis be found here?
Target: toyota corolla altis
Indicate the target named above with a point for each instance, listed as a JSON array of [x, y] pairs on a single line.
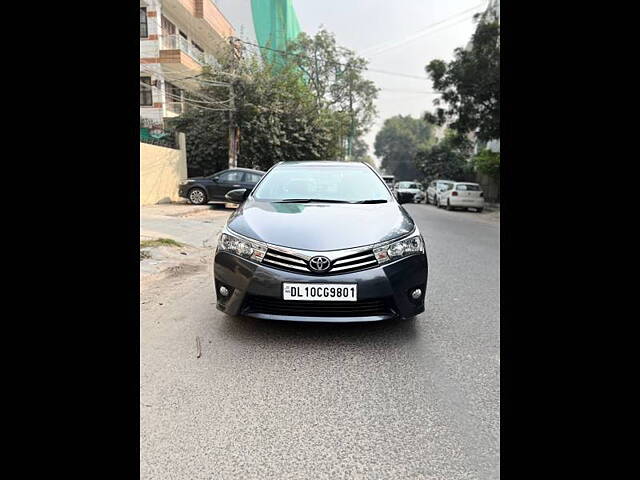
[[320, 241]]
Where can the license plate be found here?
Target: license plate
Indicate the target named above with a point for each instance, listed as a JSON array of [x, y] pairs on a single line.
[[333, 292]]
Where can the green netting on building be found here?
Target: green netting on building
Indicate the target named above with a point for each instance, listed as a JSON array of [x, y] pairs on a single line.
[[276, 24]]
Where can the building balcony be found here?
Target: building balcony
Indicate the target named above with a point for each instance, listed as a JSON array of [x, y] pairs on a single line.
[[209, 24], [171, 43], [173, 109], [180, 60]]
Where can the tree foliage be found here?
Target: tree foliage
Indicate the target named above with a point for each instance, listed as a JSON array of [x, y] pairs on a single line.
[[276, 115], [335, 76], [397, 143], [470, 83], [444, 160], [487, 162], [301, 109]]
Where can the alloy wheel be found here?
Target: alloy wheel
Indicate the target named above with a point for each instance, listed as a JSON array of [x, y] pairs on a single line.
[[196, 196]]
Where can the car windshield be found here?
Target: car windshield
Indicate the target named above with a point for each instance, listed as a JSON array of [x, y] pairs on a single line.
[[408, 185], [331, 183]]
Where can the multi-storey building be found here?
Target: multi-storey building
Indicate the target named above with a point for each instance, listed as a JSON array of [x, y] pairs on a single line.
[[269, 23], [177, 39]]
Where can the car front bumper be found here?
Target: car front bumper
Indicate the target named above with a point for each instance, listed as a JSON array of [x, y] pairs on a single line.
[[384, 292], [183, 190]]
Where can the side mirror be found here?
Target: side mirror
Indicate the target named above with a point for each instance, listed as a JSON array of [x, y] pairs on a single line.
[[238, 195]]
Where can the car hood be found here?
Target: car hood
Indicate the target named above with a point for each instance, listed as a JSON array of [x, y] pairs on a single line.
[[320, 226]]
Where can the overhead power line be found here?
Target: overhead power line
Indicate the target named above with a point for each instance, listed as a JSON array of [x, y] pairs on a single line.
[[408, 91], [283, 52], [406, 75], [421, 32]]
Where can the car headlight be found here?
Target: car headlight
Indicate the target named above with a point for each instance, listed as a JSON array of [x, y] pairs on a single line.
[[241, 246], [412, 245]]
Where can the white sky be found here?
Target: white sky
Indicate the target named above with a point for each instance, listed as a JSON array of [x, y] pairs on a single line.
[[360, 24]]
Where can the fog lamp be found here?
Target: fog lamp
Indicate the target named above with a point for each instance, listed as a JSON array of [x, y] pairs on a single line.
[[416, 294], [224, 291]]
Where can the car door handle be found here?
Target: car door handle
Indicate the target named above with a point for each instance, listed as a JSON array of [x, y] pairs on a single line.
[[236, 186]]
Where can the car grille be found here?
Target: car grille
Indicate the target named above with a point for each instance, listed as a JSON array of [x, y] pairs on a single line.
[[303, 308], [291, 263]]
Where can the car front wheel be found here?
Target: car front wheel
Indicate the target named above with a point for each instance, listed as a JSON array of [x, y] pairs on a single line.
[[197, 196]]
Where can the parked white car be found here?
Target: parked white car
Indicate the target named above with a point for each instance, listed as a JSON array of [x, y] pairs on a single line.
[[412, 191], [434, 187], [461, 195]]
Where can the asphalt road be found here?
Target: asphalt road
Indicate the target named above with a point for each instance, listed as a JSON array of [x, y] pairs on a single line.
[[270, 400]]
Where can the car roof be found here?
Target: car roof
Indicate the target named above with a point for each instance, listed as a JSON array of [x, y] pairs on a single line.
[[243, 170], [322, 163], [466, 183]]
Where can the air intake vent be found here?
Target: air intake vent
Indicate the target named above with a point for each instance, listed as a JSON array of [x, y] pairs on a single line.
[[298, 308]]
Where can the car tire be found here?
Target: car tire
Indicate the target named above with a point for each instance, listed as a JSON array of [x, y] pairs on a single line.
[[479, 210], [197, 196]]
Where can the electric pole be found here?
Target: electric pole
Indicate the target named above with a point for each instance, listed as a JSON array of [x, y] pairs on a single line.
[[233, 141], [234, 133], [350, 138]]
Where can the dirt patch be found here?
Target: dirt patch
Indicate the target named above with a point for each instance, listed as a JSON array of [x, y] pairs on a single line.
[[186, 210], [159, 242], [184, 269]]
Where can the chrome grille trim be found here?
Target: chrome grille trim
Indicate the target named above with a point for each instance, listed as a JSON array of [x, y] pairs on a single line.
[[357, 266], [306, 255], [268, 261], [342, 261], [290, 259], [365, 255]]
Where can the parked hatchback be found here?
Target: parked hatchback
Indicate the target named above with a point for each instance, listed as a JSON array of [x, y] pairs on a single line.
[[201, 190], [323, 242], [462, 195], [437, 186]]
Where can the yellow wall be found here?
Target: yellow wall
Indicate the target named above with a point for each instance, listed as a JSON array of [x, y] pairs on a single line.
[[161, 171]]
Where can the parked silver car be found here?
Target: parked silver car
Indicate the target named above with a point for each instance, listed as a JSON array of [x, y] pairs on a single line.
[[462, 195], [435, 187], [410, 191]]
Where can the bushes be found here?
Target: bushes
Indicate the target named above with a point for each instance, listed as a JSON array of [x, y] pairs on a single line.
[[487, 162]]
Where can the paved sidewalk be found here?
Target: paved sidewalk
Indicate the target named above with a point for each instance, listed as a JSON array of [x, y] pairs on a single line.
[[197, 226]]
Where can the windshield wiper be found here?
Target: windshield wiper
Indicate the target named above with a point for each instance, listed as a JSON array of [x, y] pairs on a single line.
[[308, 200], [379, 200]]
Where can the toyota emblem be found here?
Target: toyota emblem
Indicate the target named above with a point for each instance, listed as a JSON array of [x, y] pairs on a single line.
[[319, 264]]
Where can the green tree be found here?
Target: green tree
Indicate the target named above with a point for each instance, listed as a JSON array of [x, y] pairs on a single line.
[[276, 115], [446, 159], [487, 162], [470, 83], [335, 76], [397, 143]]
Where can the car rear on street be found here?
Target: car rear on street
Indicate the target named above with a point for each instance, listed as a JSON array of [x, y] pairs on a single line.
[[466, 195]]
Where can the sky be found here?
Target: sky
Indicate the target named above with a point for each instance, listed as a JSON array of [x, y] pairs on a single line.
[[362, 25]]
